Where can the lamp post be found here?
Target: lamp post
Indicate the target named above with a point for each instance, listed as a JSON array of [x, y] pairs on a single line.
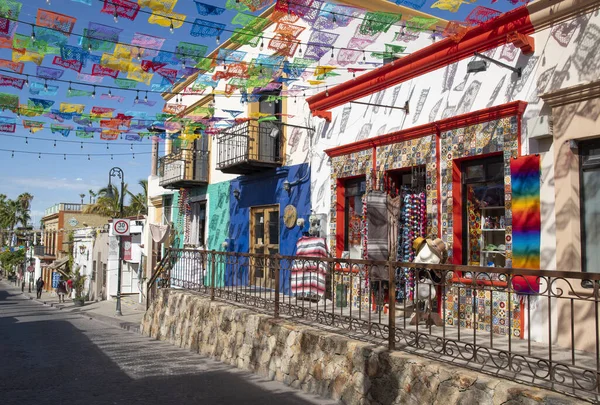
[[117, 172]]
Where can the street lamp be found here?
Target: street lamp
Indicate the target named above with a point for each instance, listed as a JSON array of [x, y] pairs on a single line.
[[117, 172]]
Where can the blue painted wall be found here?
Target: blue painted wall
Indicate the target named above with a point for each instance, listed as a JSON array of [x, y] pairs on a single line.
[[267, 189]]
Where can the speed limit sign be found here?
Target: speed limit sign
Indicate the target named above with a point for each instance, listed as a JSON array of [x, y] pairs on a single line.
[[121, 227]]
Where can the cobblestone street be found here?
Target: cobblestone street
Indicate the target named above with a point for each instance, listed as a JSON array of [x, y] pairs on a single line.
[[55, 357]]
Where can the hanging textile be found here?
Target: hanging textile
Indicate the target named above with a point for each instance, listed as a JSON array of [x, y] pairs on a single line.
[[9, 102], [255, 5], [158, 5], [99, 70], [377, 22], [7, 124], [64, 130], [79, 93], [41, 89], [16, 67], [377, 231], [49, 73], [190, 52], [55, 21], [102, 112], [236, 5], [7, 81], [455, 30], [319, 43], [333, 16], [70, 108], [204, 28], [414, 4], [151, 43], [67, 64], [418, 24], [122, 8], [526, 219], [83, 77], [33, 126], [208, 9], [100, 37], [481, 15], [308, 278], [449, 5], [166, 19]]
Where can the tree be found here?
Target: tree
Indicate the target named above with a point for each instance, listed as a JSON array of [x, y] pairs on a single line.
[[106, 205], [138, 204], [82, 196], [92, 194]]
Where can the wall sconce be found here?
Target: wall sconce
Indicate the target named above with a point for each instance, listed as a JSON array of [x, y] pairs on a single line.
[[82, 249], [106, 227], [300, 223], [287, 186], [236, 194], [224, 245]]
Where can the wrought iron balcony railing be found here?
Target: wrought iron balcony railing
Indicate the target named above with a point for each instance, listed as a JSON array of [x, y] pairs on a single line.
[[185, 168], [250, 147]]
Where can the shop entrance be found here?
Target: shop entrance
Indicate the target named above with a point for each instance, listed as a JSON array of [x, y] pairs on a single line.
[[484, 213], [264, 240]]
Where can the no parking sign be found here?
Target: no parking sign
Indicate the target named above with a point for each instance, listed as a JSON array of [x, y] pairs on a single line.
[[121, 227]]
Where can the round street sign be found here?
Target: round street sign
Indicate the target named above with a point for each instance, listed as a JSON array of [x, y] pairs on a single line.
[[121, 227]]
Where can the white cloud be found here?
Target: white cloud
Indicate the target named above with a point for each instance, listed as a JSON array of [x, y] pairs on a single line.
[[78, 179]]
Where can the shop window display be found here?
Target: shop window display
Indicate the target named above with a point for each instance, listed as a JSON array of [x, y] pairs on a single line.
[[354, 193]]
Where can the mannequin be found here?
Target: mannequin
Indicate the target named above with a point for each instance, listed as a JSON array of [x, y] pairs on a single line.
[[429, 252]]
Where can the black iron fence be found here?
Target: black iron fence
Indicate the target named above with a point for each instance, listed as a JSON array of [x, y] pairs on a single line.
[[535, 326]]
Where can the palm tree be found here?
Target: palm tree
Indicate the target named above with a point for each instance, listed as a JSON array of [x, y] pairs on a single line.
[[92, 195], [106, 204], [82, 196], [138, 204], [24, 202]]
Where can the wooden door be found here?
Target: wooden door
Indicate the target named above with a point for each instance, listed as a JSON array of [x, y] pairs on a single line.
[[264, 240]]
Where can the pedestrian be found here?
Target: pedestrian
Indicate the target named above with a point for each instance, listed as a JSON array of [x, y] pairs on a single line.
[[39, 284], [61, 290]]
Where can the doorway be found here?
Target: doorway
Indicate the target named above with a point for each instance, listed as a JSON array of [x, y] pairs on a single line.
[[264, 240], [483, 216]]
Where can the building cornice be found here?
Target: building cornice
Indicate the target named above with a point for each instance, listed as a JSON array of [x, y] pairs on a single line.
[[460, 121], [573, 94]]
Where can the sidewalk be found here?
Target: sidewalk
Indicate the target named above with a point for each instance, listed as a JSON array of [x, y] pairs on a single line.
[[103, 311]]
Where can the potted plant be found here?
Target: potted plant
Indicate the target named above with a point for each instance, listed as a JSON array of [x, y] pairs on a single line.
[[78, 286]]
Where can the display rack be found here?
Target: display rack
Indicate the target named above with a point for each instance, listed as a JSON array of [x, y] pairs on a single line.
[[492, 233]]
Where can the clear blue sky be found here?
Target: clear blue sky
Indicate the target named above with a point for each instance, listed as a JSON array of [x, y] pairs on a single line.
[[51, 179]]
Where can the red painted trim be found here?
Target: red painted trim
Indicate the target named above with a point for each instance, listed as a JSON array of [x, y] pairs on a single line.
[[438, 174], [374, 168], [438, 55], [340, 217], [457, 206], [472, 118]]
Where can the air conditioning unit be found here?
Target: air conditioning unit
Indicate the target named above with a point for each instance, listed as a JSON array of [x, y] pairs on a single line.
[[539, 127]]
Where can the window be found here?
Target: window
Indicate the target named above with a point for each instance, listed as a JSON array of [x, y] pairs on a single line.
[[590, 205], [354, 192], [269, 141], [167, 206], [198, 223]]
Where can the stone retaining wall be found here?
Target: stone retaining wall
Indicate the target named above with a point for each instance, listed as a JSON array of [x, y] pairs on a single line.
[[324, 363]]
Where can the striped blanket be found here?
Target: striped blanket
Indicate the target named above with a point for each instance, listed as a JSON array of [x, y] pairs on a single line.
[[308, 277]]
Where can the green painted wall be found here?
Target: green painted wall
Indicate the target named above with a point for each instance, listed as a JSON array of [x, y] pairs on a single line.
[[218, 226]]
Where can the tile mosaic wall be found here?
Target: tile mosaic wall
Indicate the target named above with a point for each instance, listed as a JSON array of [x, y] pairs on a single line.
[[351, 165], [415, 152], [481, 139]]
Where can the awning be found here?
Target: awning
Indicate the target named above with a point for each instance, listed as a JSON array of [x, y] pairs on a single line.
[[58, 263]]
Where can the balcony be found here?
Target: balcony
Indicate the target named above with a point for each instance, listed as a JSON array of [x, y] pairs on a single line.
[[56, 208], [185, 168], [250, 147]]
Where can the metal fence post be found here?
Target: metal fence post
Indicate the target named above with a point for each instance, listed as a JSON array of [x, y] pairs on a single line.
[[392, 307], [213, 274], [277, 267]]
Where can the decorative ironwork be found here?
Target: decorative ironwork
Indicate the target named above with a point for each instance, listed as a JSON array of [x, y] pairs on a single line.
[[250, 146], [538, 327], [185, 168]]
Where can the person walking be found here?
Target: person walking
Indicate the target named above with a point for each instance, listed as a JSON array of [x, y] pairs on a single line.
[[39, 284], [61, 290]]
